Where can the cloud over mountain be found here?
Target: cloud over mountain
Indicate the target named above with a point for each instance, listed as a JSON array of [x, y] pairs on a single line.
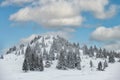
[[111, 37], [52, 13]]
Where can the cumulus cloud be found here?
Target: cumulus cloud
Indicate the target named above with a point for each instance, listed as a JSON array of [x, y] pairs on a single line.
[[97, 7], [106, 34], [15, 2], [113, 46], [52, 13], [109, 36]]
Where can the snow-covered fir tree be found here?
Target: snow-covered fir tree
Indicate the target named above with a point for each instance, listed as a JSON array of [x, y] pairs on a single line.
[[61, 61], [100, 67]]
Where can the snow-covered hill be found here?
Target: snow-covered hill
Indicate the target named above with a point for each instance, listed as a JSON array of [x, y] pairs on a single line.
[[12, 63], [11, 69], [44, 41]]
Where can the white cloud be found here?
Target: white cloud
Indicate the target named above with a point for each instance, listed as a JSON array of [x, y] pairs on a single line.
[[113, 46], [109, 36], [15, 2], [106, 14], [55, 14], [106, 34], [52, 13], [68, 30]]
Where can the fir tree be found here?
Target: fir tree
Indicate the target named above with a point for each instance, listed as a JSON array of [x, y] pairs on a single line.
[[111, 59], [51, 54], [78, 63], [71, 60], [47, 64], [85, 50], [61, 61], [100, 66], [91, 64], [95, 49], [104, 53], [1, 57], [45, 54], [105, 64], [99, 54], [91, 52], [41, 66], [32, 64], [25, 66]]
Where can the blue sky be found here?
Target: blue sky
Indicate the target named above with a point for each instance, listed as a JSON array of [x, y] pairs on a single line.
[[13, 29]]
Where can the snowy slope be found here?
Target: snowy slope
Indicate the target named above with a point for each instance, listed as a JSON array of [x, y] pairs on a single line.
[[45, 41], [10, 69], [11, 65]]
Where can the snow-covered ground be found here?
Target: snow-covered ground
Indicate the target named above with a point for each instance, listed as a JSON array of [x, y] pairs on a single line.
[[11, 69]]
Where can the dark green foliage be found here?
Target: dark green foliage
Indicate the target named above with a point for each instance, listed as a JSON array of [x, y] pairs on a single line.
[[45, 54], [100, 66], [47, 64], [71, 60], [111, 59], [78, 63], [100, 54], [85, 50], [105, 64], [33, 60], [1, 57], [91, 52], [41, 66], [25, 66], [51, 54], [95, 49], [61, 61], [104, 53]]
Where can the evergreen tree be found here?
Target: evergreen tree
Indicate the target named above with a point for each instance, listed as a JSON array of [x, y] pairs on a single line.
[[105, 64], [41, 66], [71, 60], [111, 59], [78, 63], [91, 52], [43, 42], [1, 57], [104, 53], [95, 49], [100, 66], [47, 64], [28, 52], [99, 54], [25, 66], [51, 54], [85, 50], [32, 63], [45, 54], [61, 61], [28, 56], [91, 64]]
